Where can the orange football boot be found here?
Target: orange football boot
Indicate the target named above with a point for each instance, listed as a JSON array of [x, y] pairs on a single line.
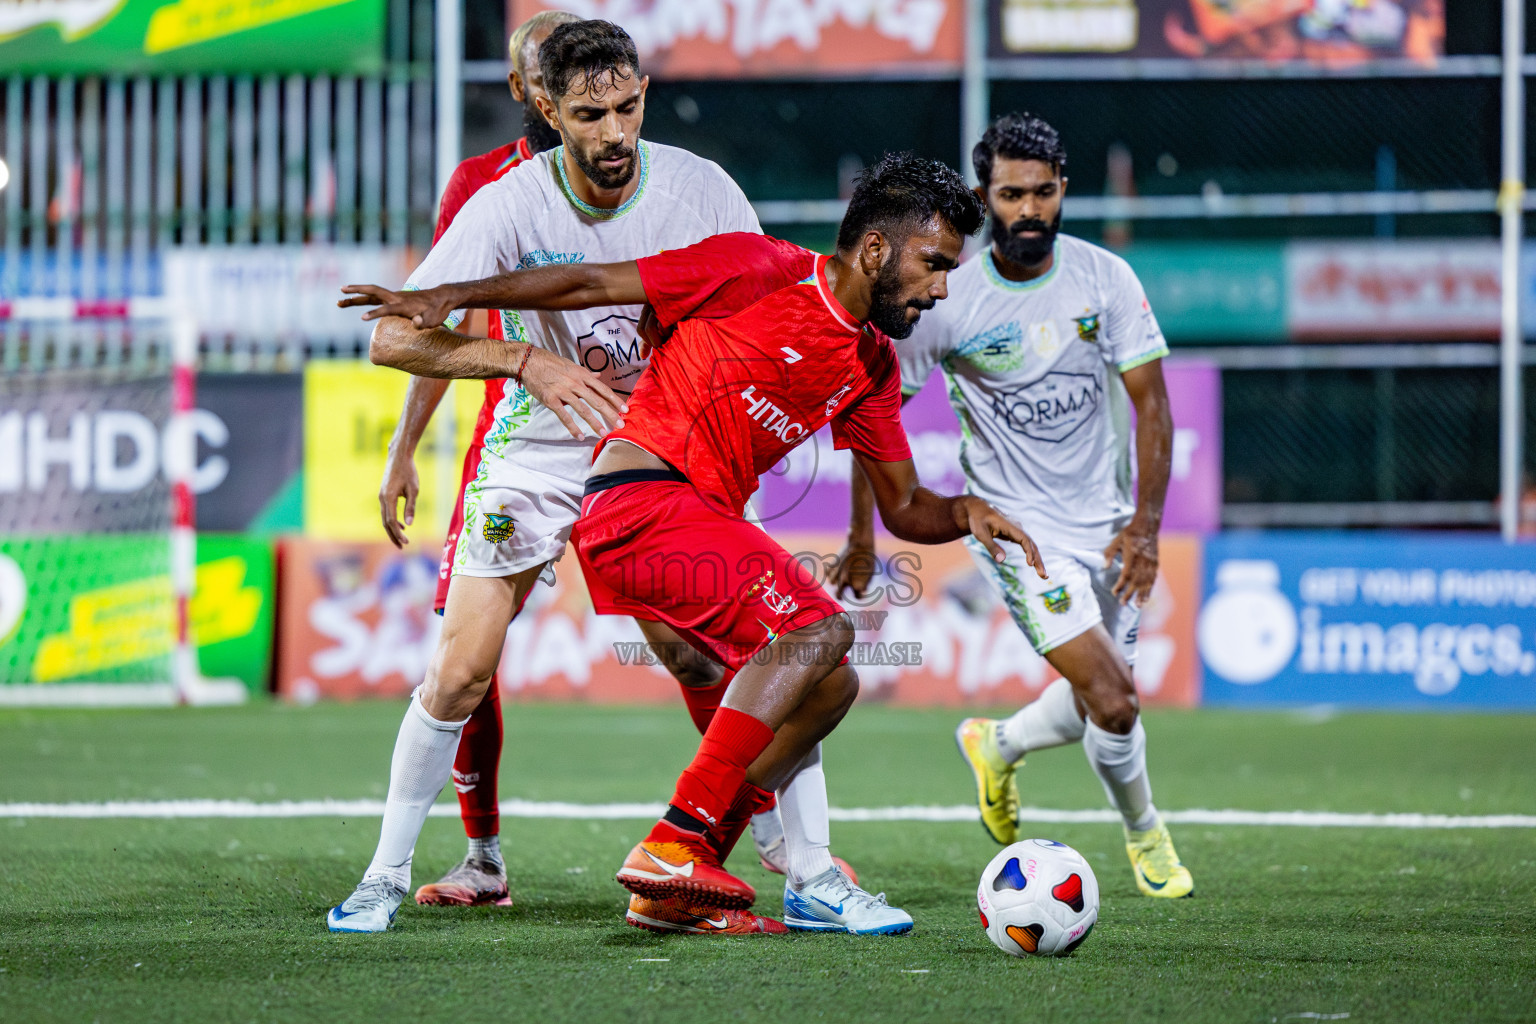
[[689, 918], [684, 866]]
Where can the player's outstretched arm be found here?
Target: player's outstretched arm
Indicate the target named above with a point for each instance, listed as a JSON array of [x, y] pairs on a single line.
[[1136, 545], [567, 390], [568, 286], [914, 513]]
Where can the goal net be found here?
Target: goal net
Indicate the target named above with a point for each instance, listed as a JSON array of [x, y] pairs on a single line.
[[95, 571]]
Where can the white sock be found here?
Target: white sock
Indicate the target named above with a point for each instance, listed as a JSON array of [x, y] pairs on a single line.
[[418, 771], [1050, 720], [487, 850], [1120, 762], [803, 811]]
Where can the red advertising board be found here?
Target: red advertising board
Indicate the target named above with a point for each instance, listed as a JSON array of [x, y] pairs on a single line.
[[778, 38], [1390, 289], [355, 620]]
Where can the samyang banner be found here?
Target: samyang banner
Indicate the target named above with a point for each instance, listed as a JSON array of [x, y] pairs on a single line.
[[1327, 33], [355, 620], [779, 38], [130, 37]]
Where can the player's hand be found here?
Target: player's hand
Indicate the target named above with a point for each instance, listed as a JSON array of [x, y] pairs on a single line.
[[988, 525], [399, 482], [561, 386], [652, 334], [855, 567], [1136, 546], [428, 307]]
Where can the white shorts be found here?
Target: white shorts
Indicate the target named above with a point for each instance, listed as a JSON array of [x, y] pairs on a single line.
[[1076, 597], [517, 514]]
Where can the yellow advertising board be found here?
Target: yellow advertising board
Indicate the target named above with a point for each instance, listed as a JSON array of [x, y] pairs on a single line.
[[350, 412]]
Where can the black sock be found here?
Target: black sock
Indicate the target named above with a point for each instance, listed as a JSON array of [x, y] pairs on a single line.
[[682, 819]]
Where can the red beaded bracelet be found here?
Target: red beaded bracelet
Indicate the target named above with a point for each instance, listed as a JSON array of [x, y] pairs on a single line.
[[518, 376]]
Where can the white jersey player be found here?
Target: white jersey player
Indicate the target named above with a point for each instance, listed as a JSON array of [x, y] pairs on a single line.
[[1045, 341], [603, 196]]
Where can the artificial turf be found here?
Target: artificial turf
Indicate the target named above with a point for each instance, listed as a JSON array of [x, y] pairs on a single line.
[[214, 919]]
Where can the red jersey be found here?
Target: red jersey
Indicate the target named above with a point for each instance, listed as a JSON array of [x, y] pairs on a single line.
[[474, 174], [762, 357]]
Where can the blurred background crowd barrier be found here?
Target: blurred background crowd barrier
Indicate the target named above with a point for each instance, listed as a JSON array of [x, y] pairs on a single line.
[[1309, 190]]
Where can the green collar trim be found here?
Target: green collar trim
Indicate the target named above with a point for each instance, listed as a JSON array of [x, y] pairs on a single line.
[[643, 172], [1021, 286]]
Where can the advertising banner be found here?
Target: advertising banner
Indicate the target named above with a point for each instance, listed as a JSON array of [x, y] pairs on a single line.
[[350, 411], [132, 37], [84, 451], [99, 609], [1379, 620], [1393, 289], [1227, 293], [250, 451], [1329, 33], [278, 291], [780, 38], [809, 490], [356, 621]]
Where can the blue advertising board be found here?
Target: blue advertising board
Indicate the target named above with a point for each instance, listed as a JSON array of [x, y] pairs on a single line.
[[1384, 620]]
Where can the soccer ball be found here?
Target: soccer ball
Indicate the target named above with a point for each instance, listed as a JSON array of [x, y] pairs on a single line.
[[1038, 898]]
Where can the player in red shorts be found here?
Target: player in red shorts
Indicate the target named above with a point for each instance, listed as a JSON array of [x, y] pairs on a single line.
[[771, 342], [482, 876]]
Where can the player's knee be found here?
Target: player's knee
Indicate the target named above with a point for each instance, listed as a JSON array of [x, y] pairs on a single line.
[[842, 685], [1115, 705]]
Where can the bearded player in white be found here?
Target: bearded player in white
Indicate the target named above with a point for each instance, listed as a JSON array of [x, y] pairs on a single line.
[[603, 196], [1041, 341]]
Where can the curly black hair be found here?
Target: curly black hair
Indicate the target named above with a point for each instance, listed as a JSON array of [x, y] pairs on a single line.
[[581, 52], [903, 191], [1017, 136]]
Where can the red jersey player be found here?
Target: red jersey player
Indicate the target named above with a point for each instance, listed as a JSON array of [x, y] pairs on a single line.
[[772, 342], [481, 876]]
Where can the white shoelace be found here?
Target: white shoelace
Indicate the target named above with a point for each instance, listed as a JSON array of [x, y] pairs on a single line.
[[853, 892], [371, 892]]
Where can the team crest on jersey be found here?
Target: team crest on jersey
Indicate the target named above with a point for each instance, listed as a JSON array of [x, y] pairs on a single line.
[[497, 527], [1088, 328], [832, 402], [765, 589], [1058, 601]]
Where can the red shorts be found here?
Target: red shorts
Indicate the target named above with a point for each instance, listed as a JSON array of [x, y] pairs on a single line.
[[493, 392], [657, 550]]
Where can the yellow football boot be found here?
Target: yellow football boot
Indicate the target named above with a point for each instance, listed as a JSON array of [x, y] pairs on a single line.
[[1156, 863], [997, 791]]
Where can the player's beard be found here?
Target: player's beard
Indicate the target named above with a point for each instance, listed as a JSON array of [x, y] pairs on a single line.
[[887, 308], [603, 178], [536, 129], [1016, 248]]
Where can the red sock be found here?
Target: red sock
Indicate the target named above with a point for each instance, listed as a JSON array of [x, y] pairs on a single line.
[[708, 786], [703, 701], [475, 765], [750, 800]]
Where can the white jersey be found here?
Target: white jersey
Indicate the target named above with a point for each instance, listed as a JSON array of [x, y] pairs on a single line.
[[1033, 372], [530, 217]]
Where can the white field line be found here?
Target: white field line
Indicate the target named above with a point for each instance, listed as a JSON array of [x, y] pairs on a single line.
[[589, 812]]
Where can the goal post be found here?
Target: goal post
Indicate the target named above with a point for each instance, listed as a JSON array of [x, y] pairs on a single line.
[[98, 541]]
